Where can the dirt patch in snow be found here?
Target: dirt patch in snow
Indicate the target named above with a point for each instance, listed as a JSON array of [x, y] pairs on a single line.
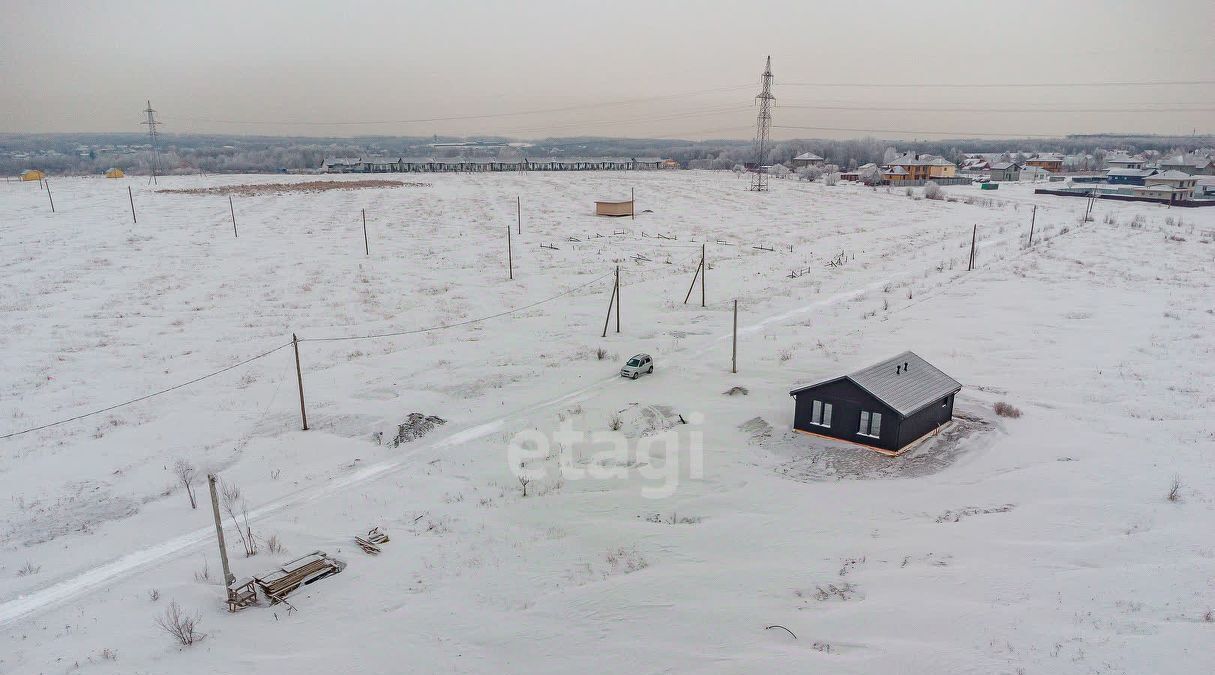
[[256, 189], [816, 459]]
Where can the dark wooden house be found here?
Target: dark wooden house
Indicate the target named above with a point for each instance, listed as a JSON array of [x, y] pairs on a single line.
[[887, 405]]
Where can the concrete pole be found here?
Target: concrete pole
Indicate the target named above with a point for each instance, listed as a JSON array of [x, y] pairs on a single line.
[[219, 531]]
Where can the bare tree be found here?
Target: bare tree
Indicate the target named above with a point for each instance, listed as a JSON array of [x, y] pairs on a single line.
[[183, 627], [233, 504], [186, 473]]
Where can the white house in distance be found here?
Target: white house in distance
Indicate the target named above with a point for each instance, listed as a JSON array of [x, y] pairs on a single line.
[[808, 159], [1124, 162]]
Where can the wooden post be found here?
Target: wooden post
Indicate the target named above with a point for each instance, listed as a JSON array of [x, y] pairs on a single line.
[[366, 246], [694, 277], [704, 270], [219, 531], [299, 376], [131, 196], [632, 204], [734, 351], [618, 298], [232, 210], [48, 196], [519, 213], [510, 261], [1032, 218], [608, 318], [973, 237]]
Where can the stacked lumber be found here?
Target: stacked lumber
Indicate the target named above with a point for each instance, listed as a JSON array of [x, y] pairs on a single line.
[[371, 543], [277, 583]]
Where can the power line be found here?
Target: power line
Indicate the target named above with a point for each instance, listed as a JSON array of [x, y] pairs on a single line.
[[459, 323], [958, 134], [994, 110], [288, 344], [452, 118], [146, 396], [989, 85]]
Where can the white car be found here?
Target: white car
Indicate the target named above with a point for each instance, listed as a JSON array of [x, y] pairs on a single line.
[[641, 363]]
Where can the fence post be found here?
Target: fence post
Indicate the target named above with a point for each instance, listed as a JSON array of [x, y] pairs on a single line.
[[232, 210], [608, 318], [219, 532], [299, 376], [1032, 218], [131, 196], [618, 298], [734, 351], [973, 237], [632, 204], [48, 196], [704, 271], [510, 260], [519, 212], [366, 246]]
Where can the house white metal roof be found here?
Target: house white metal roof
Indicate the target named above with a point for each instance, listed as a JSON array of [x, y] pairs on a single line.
[[906, 383], [1173, 174], [809, 156]]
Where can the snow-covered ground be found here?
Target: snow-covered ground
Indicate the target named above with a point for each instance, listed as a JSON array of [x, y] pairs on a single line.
[[1043, 543]]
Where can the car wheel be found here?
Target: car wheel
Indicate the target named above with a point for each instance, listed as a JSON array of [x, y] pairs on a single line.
[[651, 370], [635, 375]]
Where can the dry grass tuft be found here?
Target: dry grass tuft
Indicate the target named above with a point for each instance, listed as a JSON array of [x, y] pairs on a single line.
[[1006, 410]]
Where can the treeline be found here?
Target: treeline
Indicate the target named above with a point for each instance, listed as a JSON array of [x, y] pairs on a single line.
[[186, 154]]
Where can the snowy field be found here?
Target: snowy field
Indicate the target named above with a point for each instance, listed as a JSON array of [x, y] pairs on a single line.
[[1040, 544]]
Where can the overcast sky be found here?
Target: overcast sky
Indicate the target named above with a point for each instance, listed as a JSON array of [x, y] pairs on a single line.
[[618, 67]]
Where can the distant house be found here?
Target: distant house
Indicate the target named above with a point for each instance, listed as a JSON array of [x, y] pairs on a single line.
[[1051, 161], [1174, 179], [32, 174], [1124, 162], [1194, 165], [115, 172], [1121, 176], [1166, 193], [1032, 173], [887, 405], [340, 164], [1005, 171], [895, 174], [669, 164], [924, 167], [808, 159]]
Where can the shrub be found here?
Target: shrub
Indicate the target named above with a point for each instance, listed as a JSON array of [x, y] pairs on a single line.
[[181, 626], [1006, 410], [933, 191], [1175, 490], [615, 422]]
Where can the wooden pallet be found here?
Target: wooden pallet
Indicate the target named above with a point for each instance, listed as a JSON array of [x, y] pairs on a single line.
[[241, 594]]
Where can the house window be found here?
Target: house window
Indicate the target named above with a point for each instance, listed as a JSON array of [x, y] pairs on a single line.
[[871, 424], [820, 414]]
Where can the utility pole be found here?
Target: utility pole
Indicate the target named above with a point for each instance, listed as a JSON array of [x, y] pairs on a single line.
[[366, 246], [510, 261], [153, 138], [763, 124], [704, 270], [48, 196], [232, 210], [219, 531], [612, 301], [299, 376], [131, 196], [519, 212], [632, 204]]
